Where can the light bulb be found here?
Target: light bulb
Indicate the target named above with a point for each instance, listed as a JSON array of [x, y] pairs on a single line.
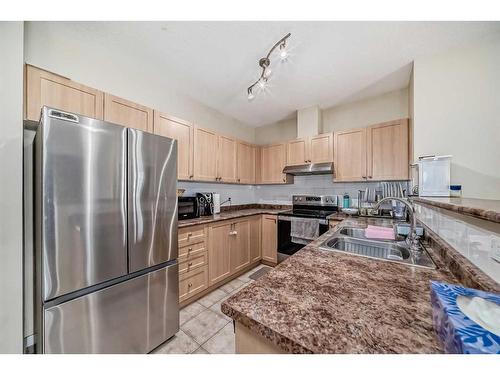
[[268, 72], [251, 96], [262, 83], [283, 52]]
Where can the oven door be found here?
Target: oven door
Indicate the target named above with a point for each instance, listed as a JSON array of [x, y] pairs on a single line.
[[187, 207], [287, 246]]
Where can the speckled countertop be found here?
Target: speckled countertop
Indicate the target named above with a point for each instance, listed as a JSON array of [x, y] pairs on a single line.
[[487, 209], [232, 214], [328, 302]]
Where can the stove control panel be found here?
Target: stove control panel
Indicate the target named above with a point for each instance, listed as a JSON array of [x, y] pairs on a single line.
[[315, 200]]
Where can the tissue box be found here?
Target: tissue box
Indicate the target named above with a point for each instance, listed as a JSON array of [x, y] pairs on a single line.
[[457, 332]]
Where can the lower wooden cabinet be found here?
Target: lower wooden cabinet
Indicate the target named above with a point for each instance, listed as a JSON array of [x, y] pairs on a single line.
[[240, 245], [212, 253], [255, 238], [233, 246], [219, 250], [192, 283], [270, 238]]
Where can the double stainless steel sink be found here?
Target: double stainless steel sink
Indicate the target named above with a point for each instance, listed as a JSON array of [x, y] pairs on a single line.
[[352, 240]]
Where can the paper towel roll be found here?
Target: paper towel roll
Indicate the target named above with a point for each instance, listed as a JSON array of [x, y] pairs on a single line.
[[216, 198]]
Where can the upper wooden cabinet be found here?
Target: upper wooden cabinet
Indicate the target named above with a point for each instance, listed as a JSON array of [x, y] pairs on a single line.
[[317, 149], [388, 151], [227, 151], [350, 155], [297, 152], [246, 163], [126, 113], [205, 155], [273, 160], [44, 88], [379, 152], [182, 131], [321, 148]]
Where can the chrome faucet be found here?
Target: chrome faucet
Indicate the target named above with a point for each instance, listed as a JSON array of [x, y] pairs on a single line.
[[412, 239]]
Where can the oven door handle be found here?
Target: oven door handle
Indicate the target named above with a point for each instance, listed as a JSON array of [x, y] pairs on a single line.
[[289, 218]]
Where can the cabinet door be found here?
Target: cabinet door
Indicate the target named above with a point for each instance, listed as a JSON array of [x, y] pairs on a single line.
[[240, 245], [321, 148], [246, 163], [350, 155], [272, 164], [182, 131], [205, 155], [297, 152], [226, 159], [127, 113], [44, 88], [269, 238], [255, 239], [219, 246], [388, 151]]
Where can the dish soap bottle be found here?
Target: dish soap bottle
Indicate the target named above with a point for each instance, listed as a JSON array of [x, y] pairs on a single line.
[[345, 201]]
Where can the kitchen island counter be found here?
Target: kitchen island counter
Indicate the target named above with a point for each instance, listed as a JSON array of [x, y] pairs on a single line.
[[320, 301]]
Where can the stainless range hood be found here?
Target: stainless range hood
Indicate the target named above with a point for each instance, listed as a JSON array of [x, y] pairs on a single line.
[[309, 169]]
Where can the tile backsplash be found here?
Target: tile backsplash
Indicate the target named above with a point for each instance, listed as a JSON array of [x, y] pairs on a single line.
[[281, 194], [469, 236]]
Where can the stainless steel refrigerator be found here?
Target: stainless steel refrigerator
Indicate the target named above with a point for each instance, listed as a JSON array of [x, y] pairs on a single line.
[[105, 236]]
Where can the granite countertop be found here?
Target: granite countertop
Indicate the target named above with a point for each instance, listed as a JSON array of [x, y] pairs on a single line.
[[230, 214], [320, 301], [487, 209]]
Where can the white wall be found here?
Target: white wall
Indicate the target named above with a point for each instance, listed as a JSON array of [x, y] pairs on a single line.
[[457, 112], [64, 49], [362, 113], [359, 114], [11, 188], [277, 132]]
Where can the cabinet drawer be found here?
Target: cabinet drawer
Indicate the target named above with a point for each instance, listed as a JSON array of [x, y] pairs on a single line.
[[191, 250], [192, 282], [191, 235], [192, 262]]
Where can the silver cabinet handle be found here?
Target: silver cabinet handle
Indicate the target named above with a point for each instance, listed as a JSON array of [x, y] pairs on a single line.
[[233, 233]]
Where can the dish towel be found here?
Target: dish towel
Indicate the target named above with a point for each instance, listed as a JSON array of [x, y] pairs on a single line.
[[381, 233], [304, 229]]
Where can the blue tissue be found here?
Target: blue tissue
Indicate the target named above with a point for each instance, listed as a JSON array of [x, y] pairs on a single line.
[[457, 332]]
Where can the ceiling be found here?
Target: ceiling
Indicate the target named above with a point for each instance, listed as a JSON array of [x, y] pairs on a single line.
[[330, 62]]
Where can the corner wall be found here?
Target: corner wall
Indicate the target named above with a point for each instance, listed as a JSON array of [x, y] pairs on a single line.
[[457, 112], [11, 187]]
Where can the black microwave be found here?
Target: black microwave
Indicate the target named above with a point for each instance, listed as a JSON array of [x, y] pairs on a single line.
[[187, 207]]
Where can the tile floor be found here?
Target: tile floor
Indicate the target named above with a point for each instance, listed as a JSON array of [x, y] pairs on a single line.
[[204, 329]]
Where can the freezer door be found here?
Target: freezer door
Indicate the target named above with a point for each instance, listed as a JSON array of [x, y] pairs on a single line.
[[81, 217], [134, 316], [152, 199]]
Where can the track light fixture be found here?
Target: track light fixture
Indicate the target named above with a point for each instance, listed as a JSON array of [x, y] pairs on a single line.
[[264, 64]]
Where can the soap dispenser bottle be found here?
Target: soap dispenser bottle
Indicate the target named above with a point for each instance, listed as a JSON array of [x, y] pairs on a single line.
[[345, 201]]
